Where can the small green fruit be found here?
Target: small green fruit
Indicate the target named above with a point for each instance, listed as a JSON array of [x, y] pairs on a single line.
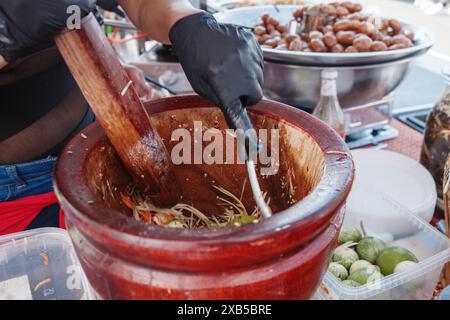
[[402, 266], [348, 234], [338, 270], [369, 248], [345, 255], [390, 257], [374, 277], [177, 224], [360, 264], [366, 275], [414, 284], [241, 220]]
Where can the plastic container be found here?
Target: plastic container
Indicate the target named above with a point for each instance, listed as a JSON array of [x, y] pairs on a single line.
[[430, 246], [41, 264], [405, 180]]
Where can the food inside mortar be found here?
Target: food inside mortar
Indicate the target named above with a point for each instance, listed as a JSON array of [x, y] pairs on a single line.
[[234, 213], [338, 27], [212, 195]]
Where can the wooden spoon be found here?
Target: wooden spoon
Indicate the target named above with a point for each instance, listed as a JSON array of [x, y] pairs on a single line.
[[114, 100]]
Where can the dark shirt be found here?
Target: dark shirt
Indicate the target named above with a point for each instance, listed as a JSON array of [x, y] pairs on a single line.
[[39, 88]]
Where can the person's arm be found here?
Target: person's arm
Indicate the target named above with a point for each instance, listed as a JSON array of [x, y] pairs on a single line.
[[3, 63], [156, 17], [223, 62]]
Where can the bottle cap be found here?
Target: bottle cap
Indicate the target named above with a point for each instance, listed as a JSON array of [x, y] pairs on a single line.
[[329, 74]]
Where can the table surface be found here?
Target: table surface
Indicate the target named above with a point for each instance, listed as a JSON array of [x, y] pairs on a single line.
[[409, 141]]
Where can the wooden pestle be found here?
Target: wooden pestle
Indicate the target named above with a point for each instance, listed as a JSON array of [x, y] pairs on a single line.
[[112, 96]]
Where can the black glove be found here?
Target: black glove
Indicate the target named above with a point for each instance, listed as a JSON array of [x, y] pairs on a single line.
[[27, 26], [224, 64]]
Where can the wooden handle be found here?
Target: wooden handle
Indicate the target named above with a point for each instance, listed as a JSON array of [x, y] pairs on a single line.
[[114, 100]]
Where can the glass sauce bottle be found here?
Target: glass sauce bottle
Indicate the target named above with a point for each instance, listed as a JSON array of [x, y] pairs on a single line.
[[329, 109], [436, 146]]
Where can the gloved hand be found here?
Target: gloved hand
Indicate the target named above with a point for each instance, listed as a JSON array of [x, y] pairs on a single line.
[[223, 63], [27, 26]]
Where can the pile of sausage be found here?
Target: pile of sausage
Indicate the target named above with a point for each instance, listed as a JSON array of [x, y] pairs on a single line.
[[346, 30]]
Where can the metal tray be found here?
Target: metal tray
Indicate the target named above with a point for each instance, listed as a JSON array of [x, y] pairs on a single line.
[[249, 16]]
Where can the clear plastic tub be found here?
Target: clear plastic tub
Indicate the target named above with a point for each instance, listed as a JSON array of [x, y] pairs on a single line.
[[430, 246], [41, 264]]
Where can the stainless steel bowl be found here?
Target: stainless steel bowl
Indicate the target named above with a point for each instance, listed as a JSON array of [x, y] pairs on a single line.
[[294, 77], [299, 86], [249, 16]]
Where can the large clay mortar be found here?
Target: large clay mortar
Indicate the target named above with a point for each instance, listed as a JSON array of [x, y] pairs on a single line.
[[283, 257]]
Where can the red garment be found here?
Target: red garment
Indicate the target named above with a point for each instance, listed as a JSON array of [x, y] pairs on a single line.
[[16, 216]]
